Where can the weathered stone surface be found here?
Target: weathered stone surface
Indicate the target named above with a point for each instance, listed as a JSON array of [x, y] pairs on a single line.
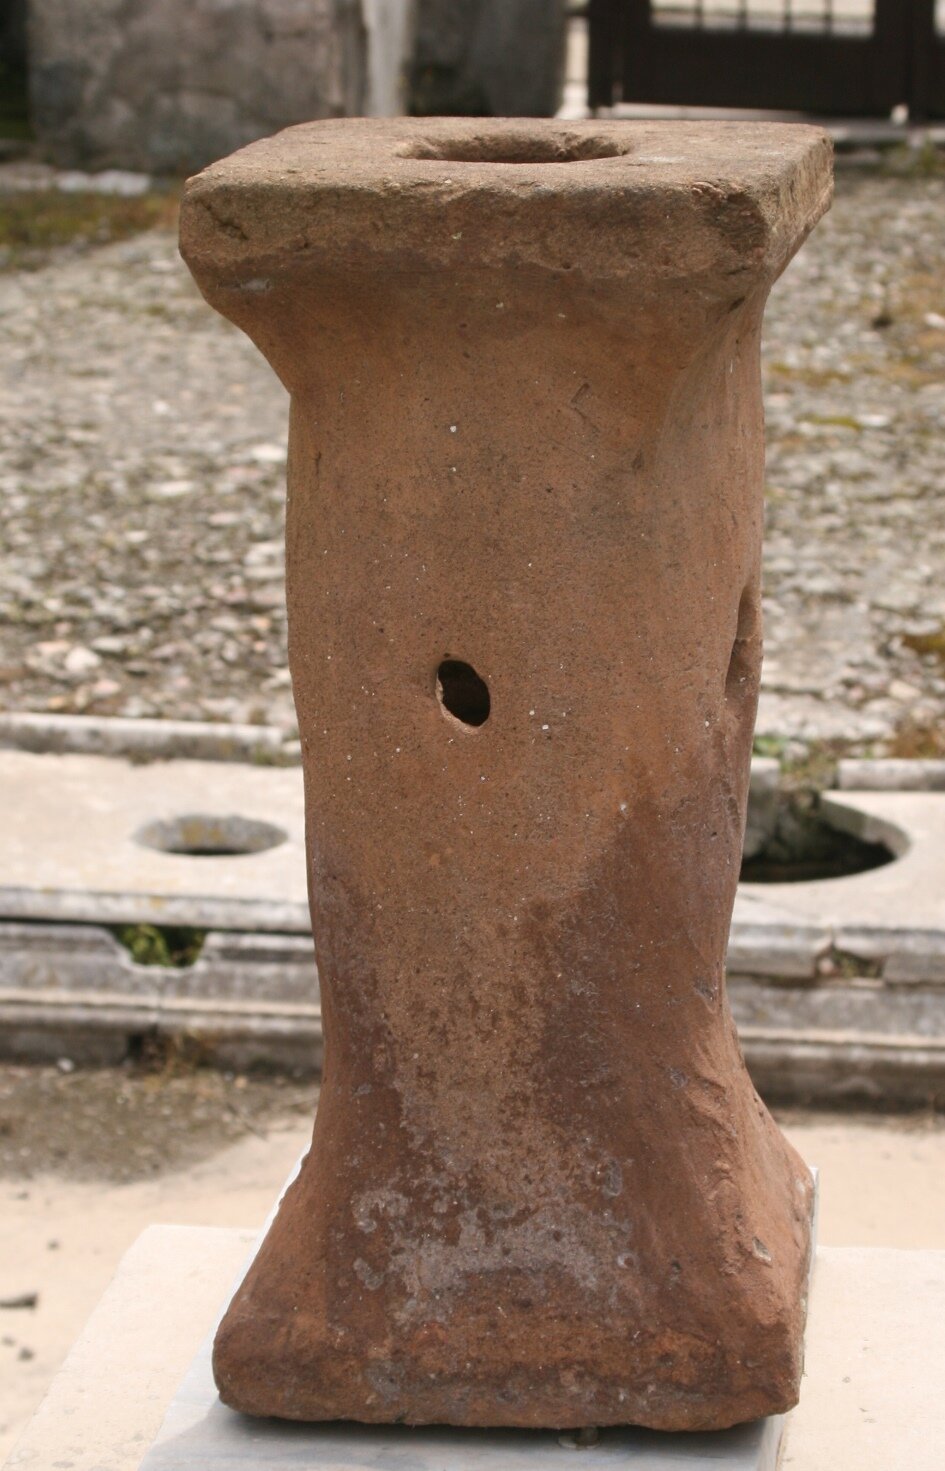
[[171, 84], [526, 434]]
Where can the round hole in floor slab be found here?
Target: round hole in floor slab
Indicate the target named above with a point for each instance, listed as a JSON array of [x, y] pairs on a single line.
[[199, 835], [518, 147], [463, 693], [803, 846]]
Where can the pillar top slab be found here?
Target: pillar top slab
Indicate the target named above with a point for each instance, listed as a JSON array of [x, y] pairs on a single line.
[[632, 199]]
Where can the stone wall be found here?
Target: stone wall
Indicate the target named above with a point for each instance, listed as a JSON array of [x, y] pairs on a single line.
[[169, 85]]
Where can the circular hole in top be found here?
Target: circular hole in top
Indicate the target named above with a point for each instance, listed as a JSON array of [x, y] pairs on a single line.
[[463, 693], [517, 147], [197, 835]]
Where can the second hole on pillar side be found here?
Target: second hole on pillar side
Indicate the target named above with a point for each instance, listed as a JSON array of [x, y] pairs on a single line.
[[740, 662], [463, 693]]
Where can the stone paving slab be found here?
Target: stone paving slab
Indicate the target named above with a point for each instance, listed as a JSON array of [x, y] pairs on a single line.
[[903, 897], [70, 849], [71, 854], [200, 1432], [838, 987], [870, 1398]]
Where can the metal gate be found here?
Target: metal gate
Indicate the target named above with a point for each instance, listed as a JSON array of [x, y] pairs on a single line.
[[855, 58]]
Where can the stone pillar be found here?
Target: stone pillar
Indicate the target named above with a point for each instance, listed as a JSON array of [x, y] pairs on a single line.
[[523, 562]]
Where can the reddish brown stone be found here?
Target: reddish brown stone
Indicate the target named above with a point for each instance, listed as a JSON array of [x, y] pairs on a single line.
[[526, 435]]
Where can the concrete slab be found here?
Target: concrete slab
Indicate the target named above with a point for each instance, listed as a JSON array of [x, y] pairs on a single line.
[[217, 1441], [871, 1399], [70, 850], [875, 1365], [106, 1404], [905, 896]]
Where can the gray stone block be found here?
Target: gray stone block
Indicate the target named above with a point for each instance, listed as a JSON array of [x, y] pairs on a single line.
[[900, 956], [763, 797], [74, 991], [788, 950], [917, 958], [889, 775], [844, 1011], [142, 739]]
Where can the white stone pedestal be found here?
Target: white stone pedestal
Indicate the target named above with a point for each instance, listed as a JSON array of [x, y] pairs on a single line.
[[873, 1397]]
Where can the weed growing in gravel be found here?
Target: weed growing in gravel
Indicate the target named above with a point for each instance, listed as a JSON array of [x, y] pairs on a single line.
[[916, 742], [927, 643], [906, 162], [33, 223], [770, 746]]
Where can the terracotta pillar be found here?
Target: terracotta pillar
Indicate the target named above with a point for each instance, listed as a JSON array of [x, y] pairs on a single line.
[[523, 562]]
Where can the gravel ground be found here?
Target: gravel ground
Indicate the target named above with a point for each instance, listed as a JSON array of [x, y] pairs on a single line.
[[133, 1123], [142, 463]]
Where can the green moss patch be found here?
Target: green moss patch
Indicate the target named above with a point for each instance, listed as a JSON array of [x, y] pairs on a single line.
[[166, 945]]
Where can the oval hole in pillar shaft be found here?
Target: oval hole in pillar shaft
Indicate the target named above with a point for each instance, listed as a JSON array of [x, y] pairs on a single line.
[[463, 693]]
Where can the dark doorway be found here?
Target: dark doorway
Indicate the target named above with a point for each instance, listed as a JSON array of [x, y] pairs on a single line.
[[13, 70]]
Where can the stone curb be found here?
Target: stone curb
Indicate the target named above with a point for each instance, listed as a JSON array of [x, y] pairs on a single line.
[[72, 991], [195, 740], [890, 775], [828, 1008], [144, 739]]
